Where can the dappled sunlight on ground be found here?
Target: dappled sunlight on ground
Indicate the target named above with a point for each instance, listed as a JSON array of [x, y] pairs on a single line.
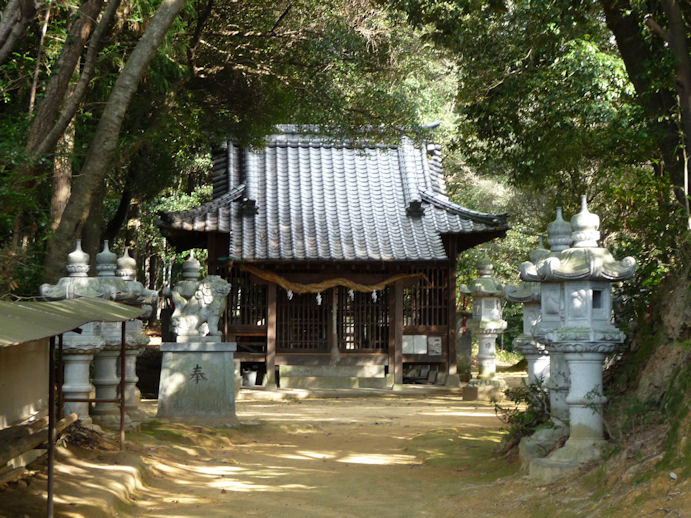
[[386, 456]]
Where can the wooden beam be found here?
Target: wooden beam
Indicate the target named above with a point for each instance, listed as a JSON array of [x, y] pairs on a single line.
[[397, 321], [11, 449], [271, 335]]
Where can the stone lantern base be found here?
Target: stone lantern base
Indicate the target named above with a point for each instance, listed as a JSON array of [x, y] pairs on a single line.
[[565, 460], [479, 389]]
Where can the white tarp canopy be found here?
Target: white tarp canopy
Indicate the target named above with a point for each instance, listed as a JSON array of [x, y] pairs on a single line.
[[25, 321]]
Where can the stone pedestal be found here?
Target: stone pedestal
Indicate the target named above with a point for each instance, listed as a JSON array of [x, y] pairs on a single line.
[[76, 385], [132, 393], [537, 359], [198, 382], [106, 380], [464, 353], [484, 389], [78, 352]]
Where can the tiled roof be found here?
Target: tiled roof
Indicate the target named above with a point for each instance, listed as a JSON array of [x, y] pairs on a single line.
[[309, 198]]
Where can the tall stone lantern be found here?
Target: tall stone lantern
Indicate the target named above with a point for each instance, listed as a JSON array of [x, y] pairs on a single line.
[[486, 325], [78, 349], [528, 294], [559, 239], [582, 277], [98, 341]]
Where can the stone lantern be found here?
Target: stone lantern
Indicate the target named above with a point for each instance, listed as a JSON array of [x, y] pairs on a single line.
[[528, 293], [135, 339], [580, 279], [78, 349], [486, 325], [98, 340], [106, 377], [559, 239]]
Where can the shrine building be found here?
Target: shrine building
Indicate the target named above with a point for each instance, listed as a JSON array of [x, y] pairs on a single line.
[[341, 255]]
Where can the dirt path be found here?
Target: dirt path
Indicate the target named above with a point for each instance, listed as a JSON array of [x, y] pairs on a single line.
[[392, 455]]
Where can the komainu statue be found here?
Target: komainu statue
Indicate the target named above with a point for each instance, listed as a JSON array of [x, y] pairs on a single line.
[[198, 306]]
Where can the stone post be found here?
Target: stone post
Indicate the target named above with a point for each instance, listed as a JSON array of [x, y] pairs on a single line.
[[106, 377], [486, 325], [106, 380]]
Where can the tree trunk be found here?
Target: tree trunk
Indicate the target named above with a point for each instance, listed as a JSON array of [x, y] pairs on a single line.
[[71, 104], [62, 177], [93, 228], [104, 142], [679, 45], [120, 216], [20, 15], [47, 110], [658, 103]]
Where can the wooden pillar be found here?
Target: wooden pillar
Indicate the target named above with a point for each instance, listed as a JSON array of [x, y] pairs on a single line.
[[398, 334], [271, 335], [451, 336], [332, 326]]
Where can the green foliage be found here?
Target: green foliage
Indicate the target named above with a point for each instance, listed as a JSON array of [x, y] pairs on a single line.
[[529, 410]]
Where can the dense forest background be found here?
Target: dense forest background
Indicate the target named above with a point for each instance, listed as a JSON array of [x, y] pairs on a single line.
[[109, 110]]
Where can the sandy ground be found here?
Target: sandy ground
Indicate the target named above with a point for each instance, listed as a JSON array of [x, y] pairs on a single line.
[[418, 453]]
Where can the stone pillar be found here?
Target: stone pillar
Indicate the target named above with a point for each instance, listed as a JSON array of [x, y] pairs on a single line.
[[487, 353], [464, 348], [78, 351], [585, 398], [558, 386], [107, 380]]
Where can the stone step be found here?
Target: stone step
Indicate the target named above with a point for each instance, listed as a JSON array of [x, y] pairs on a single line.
[[346, 371], [333, 382]]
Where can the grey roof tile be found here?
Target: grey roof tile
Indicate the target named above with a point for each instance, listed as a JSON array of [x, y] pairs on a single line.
[[320, 199]]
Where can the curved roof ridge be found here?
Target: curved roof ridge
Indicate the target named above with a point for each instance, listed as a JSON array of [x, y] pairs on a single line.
[[480, 217]]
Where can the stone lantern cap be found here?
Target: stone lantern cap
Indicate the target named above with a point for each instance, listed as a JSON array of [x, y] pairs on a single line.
[[525, 292], [106, 262], [126, 266], [78, 261], [191, 268], [559, 233], [539, 253], [573, 264], [584, 261], [485, 285]]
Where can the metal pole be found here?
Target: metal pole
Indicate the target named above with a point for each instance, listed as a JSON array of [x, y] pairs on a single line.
[[122, 387], [51, 424], [61, 378]]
